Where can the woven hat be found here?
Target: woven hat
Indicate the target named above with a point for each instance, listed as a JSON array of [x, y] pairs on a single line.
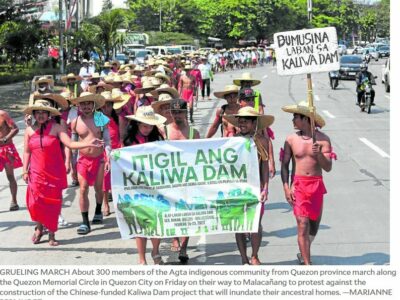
[[228, 89], [107, 65], [303, 109], [146, 114], [67, 95], [95, 75], [44, 79], [188, 67], [87, 96], [165, 88], [120, 98], [71, 76], [59, 99], [138, 69], [263, 121], [156, 82], [106, 86], [146, 87], [116, 62], [117, 78], [41, 104], [163, 98], [162, 76], [246, 77], [150, 73]]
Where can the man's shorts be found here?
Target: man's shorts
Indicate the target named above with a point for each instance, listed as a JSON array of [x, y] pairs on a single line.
[[88, 167], [9, 155], [309, 193]]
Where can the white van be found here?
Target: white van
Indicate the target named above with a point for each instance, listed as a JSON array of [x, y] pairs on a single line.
[[164, 50], [186, 48]]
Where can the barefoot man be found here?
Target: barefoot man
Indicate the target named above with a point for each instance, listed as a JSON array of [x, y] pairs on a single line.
[[91, 164], [179, 129], [186, 86], [249, 121], [306, 192], [9, 158]]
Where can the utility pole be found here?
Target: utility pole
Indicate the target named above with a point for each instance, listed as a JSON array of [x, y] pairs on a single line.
[[160, 16], [310, 96], [61, 35]]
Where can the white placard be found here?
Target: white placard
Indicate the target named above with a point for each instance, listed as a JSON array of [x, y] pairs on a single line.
[[306, 51]]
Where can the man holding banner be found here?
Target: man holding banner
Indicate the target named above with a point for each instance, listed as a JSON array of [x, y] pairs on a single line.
[[249, 121], [305, 52], [179, 129], [305, 194]]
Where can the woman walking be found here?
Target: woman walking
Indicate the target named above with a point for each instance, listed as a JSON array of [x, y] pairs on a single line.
[[143, 129], [43, 167]]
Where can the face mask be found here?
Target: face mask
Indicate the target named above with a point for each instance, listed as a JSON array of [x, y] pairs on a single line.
[[42, 89]]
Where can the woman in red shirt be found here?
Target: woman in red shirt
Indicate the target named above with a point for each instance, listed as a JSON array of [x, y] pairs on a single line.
[[143, 129]]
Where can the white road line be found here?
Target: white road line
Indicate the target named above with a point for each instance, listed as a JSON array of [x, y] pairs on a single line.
[[374, 147], [201, 247], [328, 114], [316, 97], [265, 76]]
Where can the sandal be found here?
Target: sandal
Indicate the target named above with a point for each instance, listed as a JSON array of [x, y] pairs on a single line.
[[52, 240], [158, 259], [183, 257], [14, 207], [83, 229], [98, 219], [36, 237]]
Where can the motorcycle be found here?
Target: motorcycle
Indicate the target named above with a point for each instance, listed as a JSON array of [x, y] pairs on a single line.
[[366, 100], [334, 79]]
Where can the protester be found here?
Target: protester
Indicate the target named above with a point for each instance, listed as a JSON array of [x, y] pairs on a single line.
[[249, 121], [143, 129], [165, 95], [306, 190], [206, 76], [106, 69], [43, 167], [44, 85], [71, 81], [113, 129], [9, 157], [179, 129], [186, 87], [230, 94], [91, 163]]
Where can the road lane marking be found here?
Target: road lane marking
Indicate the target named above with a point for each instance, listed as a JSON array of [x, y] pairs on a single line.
[[316, 97], [265, 76], [374, 147], [328, 114]]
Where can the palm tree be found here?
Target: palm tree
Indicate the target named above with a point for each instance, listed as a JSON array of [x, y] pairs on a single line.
[[109, 22]]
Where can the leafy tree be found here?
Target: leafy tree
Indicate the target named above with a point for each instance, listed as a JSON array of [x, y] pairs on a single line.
[[163, 38], [88, 37], [109, 22], [383, 18], [367, 22]]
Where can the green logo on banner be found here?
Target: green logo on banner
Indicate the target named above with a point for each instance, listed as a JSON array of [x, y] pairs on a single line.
[[116, 154]]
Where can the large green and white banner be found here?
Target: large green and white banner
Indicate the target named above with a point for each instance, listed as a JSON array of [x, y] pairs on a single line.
[[186, 188]]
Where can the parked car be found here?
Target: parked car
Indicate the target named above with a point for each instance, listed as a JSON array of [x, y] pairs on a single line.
[[186, 48], [122, 58], [355, 50], [370, 53], [350, 65], [386, 75], [140, 55], [384, 51], [164, 50]]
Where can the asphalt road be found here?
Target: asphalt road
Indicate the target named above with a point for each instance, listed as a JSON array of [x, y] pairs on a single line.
[[355, 224]]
